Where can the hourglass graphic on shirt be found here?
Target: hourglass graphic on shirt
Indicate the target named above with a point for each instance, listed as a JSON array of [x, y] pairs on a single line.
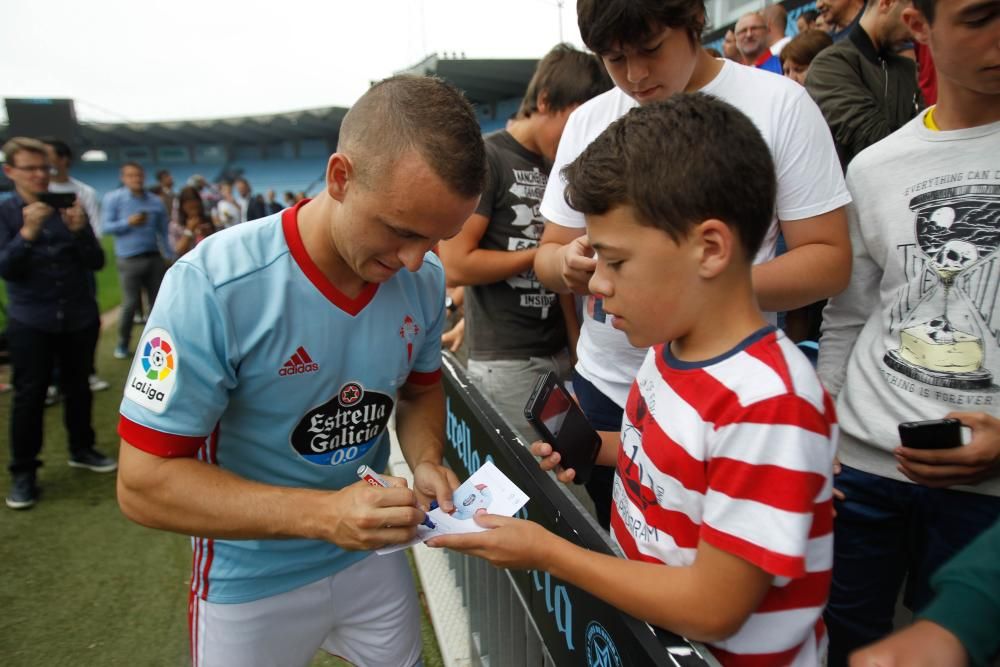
[[942, 339]]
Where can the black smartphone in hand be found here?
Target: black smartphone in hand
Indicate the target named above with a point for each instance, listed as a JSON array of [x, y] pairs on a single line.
[[560, 422], [57, 199], [931, 434]]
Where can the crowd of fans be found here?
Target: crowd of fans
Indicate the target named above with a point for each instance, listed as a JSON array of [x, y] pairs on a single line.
[[877, 243]]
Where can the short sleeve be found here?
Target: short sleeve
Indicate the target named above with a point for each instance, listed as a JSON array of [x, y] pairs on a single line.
[[769, 478], [488, 201], [184, 367], [427, 366], [810, 180], [554, 207]]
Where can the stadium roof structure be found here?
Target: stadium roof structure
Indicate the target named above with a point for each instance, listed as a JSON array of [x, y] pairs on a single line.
[[485, 82], [292, 125]]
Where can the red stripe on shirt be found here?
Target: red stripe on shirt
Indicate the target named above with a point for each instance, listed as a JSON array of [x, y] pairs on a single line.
[[416, 377], [772, 562], [665, 453], [766, 484], [158, 443], [809, 591]]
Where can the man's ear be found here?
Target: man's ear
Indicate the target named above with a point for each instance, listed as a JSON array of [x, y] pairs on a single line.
[[915, 20], [716, 244], [339, 173]]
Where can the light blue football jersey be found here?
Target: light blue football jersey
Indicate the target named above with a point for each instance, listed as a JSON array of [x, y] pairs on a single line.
[[253, 361]]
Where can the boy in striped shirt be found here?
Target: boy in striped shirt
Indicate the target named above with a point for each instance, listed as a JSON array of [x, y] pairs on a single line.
[[722, 494]]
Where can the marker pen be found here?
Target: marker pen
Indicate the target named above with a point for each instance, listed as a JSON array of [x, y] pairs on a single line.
[[368, 475]]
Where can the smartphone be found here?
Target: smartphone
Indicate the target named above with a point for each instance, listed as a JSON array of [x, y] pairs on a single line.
[[561, 423], [57, 199], [931, 434]]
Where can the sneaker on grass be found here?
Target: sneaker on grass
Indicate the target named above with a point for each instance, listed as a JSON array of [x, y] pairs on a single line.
[[93, 460], [98, 384], [121, 352], [23, 492]]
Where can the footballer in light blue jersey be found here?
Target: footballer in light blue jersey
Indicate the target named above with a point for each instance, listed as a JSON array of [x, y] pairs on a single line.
[[255, 362]]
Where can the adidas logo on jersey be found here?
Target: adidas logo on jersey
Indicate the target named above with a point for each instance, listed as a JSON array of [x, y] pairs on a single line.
[[300, 363]]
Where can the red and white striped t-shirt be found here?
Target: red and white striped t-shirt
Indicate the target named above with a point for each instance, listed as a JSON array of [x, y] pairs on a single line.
[[736, 451]]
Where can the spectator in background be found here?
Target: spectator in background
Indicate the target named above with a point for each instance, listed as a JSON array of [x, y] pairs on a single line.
[[251, 207], [516, 329], [299, 196], [289, 199], [799, 53], [227, 210], [821, 24], [137, 220], [840, 16], [165, 180], [751, 40], [806, 20], [61, 158], [911, 338], [47, 258], [190, 225], [777, 22], [865, 91], [729, 48], [271, 205]]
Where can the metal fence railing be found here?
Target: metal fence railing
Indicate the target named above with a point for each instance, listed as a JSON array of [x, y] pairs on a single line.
[[519, 619]]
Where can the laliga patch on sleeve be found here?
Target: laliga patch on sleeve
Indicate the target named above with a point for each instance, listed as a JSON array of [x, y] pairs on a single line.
[[154, 371]]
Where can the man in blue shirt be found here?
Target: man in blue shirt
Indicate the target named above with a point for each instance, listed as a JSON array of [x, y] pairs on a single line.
[[138, 222], [46, 257]]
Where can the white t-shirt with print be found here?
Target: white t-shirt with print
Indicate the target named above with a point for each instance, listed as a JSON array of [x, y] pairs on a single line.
[[810, 183]]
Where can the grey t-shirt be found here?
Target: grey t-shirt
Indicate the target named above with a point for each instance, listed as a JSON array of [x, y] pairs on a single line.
[[518, 317]]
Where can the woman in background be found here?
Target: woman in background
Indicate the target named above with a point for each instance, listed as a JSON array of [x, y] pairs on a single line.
[[191, 224], [798, 54]]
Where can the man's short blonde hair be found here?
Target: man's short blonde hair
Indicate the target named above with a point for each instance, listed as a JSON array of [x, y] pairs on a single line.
[[23, 145]]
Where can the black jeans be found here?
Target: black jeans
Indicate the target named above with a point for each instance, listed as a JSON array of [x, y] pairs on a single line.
[[142, 272], [604, 415], [33, 353]]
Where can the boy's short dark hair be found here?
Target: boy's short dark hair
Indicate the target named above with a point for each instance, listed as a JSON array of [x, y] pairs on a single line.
[[926, 8], [605, 23], [420, 113], [567, 77], [677, 163]]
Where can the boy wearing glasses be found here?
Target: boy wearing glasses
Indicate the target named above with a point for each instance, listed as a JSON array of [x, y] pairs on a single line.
[[722, 497]]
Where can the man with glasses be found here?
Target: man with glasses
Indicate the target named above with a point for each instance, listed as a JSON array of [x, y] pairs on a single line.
[[751, 40], [46, 256]]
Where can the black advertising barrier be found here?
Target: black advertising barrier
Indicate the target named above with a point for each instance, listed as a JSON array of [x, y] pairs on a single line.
[[576, 628]]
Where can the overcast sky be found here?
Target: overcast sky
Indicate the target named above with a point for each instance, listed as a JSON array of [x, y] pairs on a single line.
[[182, 59]]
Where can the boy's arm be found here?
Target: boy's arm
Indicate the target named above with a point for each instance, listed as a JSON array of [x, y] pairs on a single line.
[[816, 266], [567, 303], [468, 264], [706, 601]]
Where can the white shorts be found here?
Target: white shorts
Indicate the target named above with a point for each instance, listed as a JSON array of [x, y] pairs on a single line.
[[367, 614]]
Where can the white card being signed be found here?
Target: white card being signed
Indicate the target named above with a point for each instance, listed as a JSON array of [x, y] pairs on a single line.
[[487, 489]]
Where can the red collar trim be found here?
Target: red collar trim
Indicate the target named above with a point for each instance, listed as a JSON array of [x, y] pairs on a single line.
[[290, 226], [764, 57]]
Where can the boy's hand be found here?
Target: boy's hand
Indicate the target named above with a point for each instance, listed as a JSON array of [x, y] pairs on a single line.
[[577, 264], [514, 544], [968, 464], [550, 461], [434, 482], [923, 644]]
